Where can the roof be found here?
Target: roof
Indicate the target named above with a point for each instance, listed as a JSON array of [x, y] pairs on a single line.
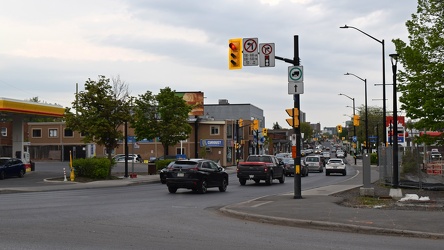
[[32, 108]]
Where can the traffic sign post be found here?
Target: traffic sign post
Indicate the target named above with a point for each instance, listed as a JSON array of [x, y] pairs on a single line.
[[266, 55], [295, 88], [250, 52], [295, 74]]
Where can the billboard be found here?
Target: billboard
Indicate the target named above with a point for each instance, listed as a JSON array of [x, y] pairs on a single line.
[[195, 100]]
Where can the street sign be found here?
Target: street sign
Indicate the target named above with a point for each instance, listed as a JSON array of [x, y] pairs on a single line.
[[295, 74], [250, 52], [266, 55], [295, 88]]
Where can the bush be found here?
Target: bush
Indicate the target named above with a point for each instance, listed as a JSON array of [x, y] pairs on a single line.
[[162, 163], [374, 158], [409, 162], [95, 168]]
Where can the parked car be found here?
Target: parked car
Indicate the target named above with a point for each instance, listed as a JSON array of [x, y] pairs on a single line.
[[163, 157], [335, 165], [11, 167], [314, 163], [289, 168], [197, 175], [121, 158]]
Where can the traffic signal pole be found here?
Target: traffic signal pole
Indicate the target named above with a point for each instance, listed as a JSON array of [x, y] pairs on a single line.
[[296, 129]]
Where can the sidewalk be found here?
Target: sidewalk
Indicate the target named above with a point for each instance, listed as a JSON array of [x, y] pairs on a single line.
[[317, 209]]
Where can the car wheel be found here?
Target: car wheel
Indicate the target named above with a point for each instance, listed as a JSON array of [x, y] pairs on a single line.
[[2, 175], [269, 179], [163, 181], [282, 179], [256, 181], [223, 188], [243, 182], [21, 174], [327, 173], [344, 173], [203, 187], [172, 190]]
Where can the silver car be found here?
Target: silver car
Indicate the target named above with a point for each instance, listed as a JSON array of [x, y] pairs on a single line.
[[314, 164]]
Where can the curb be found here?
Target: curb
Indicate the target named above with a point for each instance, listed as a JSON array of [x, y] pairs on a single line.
[[322, 225]]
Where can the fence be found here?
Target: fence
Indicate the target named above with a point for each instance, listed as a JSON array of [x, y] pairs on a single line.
[[416, 168]]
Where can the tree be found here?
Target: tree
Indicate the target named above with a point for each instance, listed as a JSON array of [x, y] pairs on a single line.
[[276, 126], [100, 110], [421, 80], [164, 116], [306, 129]]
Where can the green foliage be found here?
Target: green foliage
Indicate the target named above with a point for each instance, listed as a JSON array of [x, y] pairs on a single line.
[[162, 163], [421, 78], [373, 158], [306, 129], [100, 110], [95, 168], [164, 116], [409, 162]]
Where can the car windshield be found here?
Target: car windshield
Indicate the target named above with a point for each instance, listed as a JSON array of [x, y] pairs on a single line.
[[334, 161], [185, 164], [259, 158], [311, 159]]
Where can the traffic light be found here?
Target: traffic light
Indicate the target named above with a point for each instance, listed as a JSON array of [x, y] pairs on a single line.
[[339, 128], [356, 120], [294, 121], [255, 124], [235, 53], [240, 122], [264, 132]]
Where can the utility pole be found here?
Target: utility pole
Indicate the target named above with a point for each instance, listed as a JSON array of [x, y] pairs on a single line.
[[296, 129]]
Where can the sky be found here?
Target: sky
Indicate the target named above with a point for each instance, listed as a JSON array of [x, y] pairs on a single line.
[[48, 46]]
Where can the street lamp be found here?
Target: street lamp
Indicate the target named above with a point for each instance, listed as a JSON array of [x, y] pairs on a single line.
[[354, 127], [394, 60], [383, 78], [366, 109]]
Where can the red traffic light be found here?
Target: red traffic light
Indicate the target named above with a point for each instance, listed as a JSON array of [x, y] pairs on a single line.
[[232, 46]]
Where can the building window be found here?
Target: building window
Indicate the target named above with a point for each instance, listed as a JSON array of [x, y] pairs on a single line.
[[214, 130], [37, 133], [4, 131], [52, 132], [230, 131], [68, 132]]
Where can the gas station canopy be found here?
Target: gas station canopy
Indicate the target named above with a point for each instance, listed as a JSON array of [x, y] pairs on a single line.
[[30, 108]]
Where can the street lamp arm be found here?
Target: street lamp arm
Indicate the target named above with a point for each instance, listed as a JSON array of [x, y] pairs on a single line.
[[351, 27], [351, 98], [351, 74]]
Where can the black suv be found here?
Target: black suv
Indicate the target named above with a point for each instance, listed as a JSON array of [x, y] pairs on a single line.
[[197, 175]]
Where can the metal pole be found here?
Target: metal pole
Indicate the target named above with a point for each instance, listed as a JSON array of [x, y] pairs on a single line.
[[384, 114], [366, 119], [297, 130], [354, 129], [395, 131], [126, 149]]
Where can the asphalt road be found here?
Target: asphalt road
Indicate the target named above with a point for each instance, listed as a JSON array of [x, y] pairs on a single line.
[[149, 217]]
